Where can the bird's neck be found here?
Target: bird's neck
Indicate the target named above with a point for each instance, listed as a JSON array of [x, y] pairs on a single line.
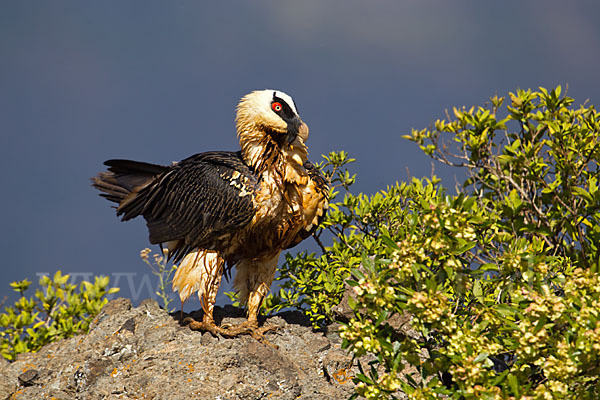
[[262, 153]]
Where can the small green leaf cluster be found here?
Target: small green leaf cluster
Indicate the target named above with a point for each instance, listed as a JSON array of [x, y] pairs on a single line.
[[57, 310]]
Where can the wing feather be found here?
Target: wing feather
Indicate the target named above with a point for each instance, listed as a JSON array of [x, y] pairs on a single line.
[[195, 201]]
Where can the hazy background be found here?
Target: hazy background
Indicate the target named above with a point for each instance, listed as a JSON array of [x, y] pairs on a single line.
[[157, 81]]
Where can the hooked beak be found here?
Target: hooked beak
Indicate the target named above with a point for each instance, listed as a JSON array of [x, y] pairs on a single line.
[[303, 131], [296, 127]]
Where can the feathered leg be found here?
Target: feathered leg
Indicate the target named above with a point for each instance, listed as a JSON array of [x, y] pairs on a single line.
[[200, 271], [252, 281], [208, 300]]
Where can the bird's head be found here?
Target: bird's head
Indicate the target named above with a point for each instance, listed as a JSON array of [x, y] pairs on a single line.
[[268, 117]]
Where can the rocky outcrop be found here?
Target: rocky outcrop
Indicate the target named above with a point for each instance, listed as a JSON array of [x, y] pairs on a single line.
[[145, 353]]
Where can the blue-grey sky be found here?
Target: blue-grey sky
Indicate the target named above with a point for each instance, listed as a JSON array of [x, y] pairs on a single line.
[[85, 81]]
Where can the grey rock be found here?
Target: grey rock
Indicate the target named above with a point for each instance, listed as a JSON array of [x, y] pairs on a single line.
[[145, 353], [28, 377], [129, 325]]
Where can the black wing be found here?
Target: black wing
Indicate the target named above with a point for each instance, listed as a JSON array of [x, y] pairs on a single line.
[[197, 201]]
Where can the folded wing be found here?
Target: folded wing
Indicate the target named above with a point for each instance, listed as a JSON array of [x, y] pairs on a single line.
[[196, 203]]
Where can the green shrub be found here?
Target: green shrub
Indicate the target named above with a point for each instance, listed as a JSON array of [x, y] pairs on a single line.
[[501, 279], [57, 310], [537, 167]]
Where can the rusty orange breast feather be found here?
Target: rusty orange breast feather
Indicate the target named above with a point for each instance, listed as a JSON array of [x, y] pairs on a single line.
[[284, 208]]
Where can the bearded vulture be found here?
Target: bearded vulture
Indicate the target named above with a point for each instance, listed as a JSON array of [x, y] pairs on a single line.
[[219, 209]]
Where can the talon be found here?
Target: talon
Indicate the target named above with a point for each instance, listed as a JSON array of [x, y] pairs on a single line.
[[259, 334], [232, 331], [247, 328], [203, 326]]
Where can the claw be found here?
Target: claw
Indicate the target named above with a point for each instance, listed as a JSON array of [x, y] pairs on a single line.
[[252, 329], [203, 326], [232, 331], [248, 328]]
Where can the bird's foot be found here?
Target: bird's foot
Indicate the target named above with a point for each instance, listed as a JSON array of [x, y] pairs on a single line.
[[204, 326], [245, 328]]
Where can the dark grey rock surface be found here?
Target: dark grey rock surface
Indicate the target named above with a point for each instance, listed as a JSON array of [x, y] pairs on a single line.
[[145, 353]]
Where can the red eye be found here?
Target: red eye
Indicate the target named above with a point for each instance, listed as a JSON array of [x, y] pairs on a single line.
[[276, 107]]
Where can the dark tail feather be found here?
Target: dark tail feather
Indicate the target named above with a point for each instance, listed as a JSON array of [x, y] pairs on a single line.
[[129, 167], [123, 176]]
